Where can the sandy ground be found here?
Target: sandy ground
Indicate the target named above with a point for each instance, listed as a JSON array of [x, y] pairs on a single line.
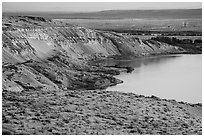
[[96, 112]]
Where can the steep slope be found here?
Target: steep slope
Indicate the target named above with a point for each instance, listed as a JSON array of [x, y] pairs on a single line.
[[54, 54]]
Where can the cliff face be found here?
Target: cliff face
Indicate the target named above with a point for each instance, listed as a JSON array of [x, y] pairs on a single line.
[[39, 53], [75, 42]]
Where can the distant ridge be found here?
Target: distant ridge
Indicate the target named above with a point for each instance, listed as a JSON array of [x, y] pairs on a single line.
[[120, 14]]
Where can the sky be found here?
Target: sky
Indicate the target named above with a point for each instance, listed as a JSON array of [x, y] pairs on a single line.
[[93, 6]]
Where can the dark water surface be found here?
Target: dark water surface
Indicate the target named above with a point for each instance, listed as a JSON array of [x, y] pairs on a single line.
[[176, 77]]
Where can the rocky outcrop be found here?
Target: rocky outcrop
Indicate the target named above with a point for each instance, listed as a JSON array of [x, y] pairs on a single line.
[[76, 42], [52, 55]]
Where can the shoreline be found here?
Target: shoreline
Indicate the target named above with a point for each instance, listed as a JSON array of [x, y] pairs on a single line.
[[120, 69], [96, 112], [149, 56], [125, 79]]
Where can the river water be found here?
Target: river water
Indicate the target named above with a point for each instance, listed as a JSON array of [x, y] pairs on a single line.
[[176, 77]]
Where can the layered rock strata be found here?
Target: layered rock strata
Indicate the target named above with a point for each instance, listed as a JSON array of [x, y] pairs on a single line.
[[49, 55]]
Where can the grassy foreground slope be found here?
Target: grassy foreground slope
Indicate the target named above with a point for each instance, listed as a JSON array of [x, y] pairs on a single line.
[[96, 112]]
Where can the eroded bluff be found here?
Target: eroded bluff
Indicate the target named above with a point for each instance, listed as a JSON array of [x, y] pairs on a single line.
[[47, 55]]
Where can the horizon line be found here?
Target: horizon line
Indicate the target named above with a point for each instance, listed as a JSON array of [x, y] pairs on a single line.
[[95, 11]]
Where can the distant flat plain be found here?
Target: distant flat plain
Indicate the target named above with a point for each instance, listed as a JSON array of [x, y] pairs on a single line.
[[145, 20], [139, 24]]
